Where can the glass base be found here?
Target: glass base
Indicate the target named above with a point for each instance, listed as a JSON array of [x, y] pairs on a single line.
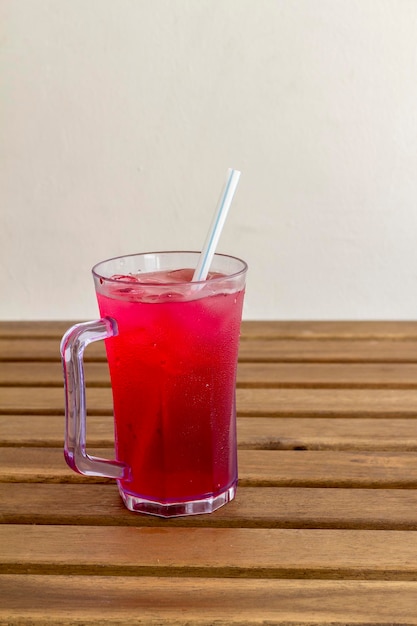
[[177, 509]]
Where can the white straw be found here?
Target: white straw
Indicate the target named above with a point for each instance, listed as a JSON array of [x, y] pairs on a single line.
[[216, 226]]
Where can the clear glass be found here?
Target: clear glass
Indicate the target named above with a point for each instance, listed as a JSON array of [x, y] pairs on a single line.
[[172, 349]]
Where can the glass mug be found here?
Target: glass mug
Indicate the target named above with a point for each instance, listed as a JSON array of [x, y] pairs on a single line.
[[172, 348]]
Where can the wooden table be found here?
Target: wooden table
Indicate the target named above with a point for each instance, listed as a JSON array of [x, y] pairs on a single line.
[[323, 529]]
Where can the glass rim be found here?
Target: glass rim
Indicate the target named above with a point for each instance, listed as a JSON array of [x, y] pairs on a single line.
[[100, 276]]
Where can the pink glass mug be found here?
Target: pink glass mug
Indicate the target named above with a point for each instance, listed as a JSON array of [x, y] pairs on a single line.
[[172, 351]]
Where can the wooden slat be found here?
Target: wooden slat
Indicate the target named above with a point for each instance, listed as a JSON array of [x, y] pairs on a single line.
[[37, 600], [265, 329], [250, 402], [48, 430], [328, 469], [331, 351], [35, 465], [269, 433], [24, 400], [324, 330], [327, 402], [286, 468], [286, 375], [303, 433], [42, 374], [269, 507], [43, 350], [256, 351], [326, 375], [42, 329], [209, 552]]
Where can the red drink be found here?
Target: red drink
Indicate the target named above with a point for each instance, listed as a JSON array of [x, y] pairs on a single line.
[[172, 350], [173, 375]]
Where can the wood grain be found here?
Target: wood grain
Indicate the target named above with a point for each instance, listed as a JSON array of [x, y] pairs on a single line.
[[209, 552], [390, 403], [329, 329], [323, 528], [266, 329], [253, 350], [303, 433], [269, 507], [329, 351], [286, 375], [260, 468], [263, 433], [119, 600]]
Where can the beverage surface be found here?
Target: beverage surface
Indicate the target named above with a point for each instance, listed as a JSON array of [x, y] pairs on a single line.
[[173, 371], [183, 275], [164, 285]]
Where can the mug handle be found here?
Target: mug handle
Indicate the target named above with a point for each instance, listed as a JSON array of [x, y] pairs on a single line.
[[72, 349]]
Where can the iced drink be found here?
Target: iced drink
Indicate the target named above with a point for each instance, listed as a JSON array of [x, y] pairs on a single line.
[[173, 375], [172, 360]]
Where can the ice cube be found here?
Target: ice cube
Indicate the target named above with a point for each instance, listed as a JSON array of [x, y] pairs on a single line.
[[180, 276]]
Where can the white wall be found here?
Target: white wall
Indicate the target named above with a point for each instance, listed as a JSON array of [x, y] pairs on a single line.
[[119, 119]]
